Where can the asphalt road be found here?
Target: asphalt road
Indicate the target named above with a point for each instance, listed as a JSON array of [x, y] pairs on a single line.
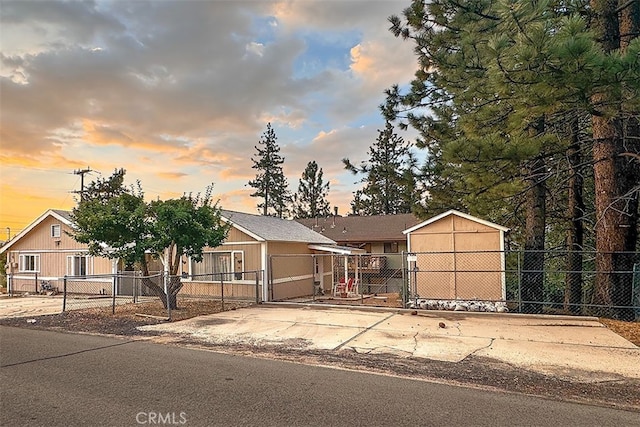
[[59, 379]]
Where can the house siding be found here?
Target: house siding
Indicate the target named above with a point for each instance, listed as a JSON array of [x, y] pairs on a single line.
[[232, 286], [236, 235], [52, 253], [292, 276]]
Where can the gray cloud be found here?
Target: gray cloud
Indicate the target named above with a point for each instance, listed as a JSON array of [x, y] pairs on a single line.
[[195, 81]]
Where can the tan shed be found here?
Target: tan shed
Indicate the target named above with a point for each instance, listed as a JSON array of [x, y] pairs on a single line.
[[457, 256]]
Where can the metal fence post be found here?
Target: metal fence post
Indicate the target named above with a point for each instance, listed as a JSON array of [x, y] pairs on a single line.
[[313, 277], [222, 289], [36, 283], [271, 284], [113, 294], [519, 273], [134, 286], [257, 287], [404, 289], [165, 279], [64, 293]]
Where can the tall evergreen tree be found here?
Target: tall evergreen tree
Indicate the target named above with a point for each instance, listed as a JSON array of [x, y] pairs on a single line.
[[499, 79], [311, 199], [616, 131], [270, 183], [389, 176]]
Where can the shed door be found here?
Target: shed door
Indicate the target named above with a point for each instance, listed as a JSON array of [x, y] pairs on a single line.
[[436, 265]]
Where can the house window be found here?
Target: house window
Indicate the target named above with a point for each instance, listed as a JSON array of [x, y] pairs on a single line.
[[391, 248], [29, 263], [77, 265], [213, 263], [229, 265], [55, 230]]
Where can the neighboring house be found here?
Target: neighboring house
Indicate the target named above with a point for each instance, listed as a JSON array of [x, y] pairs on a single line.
[[376, 234], [43, 253], [458, 256]]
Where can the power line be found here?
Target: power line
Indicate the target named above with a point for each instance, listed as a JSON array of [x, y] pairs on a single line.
[[30, 168]]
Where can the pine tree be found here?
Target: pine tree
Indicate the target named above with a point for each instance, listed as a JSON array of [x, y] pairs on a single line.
[[616, 131], [270, 182], [389, 176], [501, 79], [311, 199]]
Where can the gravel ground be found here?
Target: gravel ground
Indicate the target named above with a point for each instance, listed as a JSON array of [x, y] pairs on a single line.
[[473, 371]]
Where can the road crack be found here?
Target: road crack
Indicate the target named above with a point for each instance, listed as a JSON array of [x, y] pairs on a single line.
[[59, 356]]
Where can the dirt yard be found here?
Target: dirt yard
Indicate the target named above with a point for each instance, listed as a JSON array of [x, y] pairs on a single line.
[[126, 319], [628, 330]]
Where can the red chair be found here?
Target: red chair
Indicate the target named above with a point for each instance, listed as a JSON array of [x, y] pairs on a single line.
[[339, 288], [352, 287]]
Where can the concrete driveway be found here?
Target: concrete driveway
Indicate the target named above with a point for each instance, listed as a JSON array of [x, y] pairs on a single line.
[[579, 348]]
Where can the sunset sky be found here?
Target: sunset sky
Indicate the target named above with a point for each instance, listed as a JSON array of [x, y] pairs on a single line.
[[179, 92]]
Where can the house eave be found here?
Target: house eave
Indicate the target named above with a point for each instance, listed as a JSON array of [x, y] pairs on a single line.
[[335, 249]]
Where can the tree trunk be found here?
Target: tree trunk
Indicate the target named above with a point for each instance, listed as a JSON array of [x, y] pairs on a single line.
[[616, 219], [616, 202], [533, 260], [174, 286], [158, 289], [575, 233]]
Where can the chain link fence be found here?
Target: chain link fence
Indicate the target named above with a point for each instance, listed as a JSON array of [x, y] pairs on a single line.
[[552, 282], [235, 286], [103, 291], [126, 287], [33, 284], [364, 279]]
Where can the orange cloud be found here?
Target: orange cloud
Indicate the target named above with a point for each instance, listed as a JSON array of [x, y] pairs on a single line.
[[203, 154], [361, 62], [237, 200], [171, 175], [104, 134], [235, 173]]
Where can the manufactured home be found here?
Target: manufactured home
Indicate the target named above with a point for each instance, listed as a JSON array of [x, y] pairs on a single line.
[[44, 253]]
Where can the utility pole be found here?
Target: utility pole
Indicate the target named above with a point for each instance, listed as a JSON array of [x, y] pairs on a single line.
[[82, 172]]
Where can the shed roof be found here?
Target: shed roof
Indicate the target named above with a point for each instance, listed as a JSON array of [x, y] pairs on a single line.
[[272, 229], [359, 229], [457, 213]]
